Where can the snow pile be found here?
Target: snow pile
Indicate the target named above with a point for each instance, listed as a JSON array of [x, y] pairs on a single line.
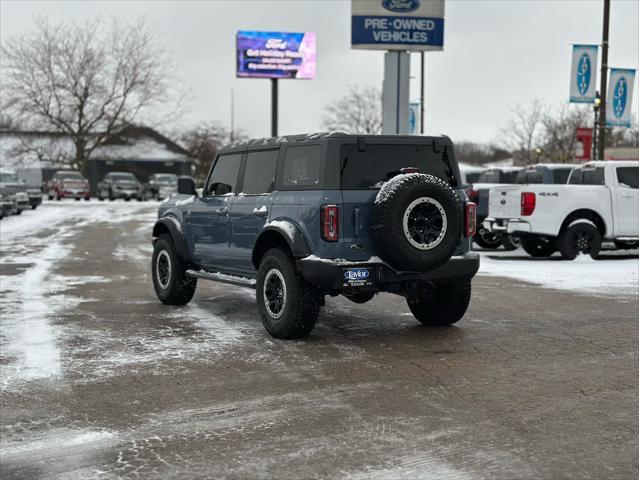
[[607, 276]]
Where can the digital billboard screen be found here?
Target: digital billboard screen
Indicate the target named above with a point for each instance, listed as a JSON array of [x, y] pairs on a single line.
[[276, 54]]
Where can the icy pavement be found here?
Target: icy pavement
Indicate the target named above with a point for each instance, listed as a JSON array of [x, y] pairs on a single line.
[[616, 273], [100, 380]]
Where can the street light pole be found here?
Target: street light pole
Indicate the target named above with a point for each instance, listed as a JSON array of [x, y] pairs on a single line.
[[421, 96], [604, 78], [596, 106]]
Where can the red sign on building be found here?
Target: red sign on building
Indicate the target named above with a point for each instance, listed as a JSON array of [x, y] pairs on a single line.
[[583, 148]]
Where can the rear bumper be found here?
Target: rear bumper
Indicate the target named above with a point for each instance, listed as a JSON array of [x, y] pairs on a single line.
[[504, 225], [35, 200], [127, 194], [75, 194], [330, 274]]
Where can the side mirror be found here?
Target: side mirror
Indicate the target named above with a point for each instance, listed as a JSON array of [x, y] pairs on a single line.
[[186, 186]]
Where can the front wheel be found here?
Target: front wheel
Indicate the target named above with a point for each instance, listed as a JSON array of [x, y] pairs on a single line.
[[287, 303], [442, 305], [538, 246], [581, 236], [168, 270]]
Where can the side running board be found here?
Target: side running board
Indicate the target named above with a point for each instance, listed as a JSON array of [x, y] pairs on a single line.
[[223, 278]]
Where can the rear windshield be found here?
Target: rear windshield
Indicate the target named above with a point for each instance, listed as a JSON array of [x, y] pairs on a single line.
[[498, 176], [529, 176], [378, 163], [560, 175], [70, 176], [587, 176], [168, 179], [123, 176], [472, 177]]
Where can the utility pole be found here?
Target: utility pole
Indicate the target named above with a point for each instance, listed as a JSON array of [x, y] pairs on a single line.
[[601, 141], [421, 96], [273, 107], [232, 135]]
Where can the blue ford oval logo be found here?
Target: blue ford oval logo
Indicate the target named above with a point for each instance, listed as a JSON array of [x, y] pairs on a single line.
[[583, 74], [401, 6], [356, 274], [620, 97]]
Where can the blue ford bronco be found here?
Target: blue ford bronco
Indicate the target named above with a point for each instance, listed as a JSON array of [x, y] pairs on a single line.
[[305, 216]]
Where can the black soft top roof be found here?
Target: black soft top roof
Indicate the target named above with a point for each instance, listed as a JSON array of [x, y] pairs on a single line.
[[274, 142]]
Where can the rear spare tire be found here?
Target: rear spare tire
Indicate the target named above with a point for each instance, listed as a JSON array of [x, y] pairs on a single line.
[[416, 222]]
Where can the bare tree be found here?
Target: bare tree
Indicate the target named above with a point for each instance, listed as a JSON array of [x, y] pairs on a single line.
[[560, 131], [358, 111], [523, 134], [87, 81], [203, 142]]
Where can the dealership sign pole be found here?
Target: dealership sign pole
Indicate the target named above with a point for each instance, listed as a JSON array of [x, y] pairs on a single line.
[[276, 55], [399, 27]]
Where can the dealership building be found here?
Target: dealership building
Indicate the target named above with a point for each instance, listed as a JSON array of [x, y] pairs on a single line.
[[140, 150]]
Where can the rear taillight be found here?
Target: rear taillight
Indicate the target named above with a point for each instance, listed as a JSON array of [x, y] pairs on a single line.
[[473, 195], [527, 203], [330, 219], [471, 219]]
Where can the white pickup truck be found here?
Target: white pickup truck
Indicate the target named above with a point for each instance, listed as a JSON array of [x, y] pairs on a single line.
[[600, 201]]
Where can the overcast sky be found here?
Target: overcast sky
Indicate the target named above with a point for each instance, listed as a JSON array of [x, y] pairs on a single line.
[[496, 54]]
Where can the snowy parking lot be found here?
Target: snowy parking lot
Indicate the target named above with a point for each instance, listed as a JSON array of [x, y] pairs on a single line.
[[99, 379]]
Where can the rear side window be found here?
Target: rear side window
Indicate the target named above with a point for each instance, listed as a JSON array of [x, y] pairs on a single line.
[[560, 175], [224, 176], [587, 176], [302, 167], [628, 176], [378, 163], [259, 175]]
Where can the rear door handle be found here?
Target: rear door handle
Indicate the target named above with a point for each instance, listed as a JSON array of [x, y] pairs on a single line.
[[626, 195], [222, 211], [261, 211]]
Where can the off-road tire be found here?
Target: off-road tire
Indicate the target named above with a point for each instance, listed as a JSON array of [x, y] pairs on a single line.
[[180, 289], [581, 236], [301, 301], [510, 242], [361, 297], [486, 239], [442, 305], [538, 246], [392, 205]]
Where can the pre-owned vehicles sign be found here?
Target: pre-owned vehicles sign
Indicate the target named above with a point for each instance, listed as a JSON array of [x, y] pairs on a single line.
[[397, 24]]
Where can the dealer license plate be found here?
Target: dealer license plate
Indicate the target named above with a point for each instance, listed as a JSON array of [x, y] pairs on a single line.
[[357, 277]]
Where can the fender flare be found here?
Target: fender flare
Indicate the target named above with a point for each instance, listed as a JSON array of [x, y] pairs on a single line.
[[291, 234], [174, 228]]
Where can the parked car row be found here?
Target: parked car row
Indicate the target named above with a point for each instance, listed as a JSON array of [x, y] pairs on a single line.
[[15, 195]]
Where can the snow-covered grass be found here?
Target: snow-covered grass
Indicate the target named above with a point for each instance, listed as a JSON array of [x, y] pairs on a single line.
[[615, 273]]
